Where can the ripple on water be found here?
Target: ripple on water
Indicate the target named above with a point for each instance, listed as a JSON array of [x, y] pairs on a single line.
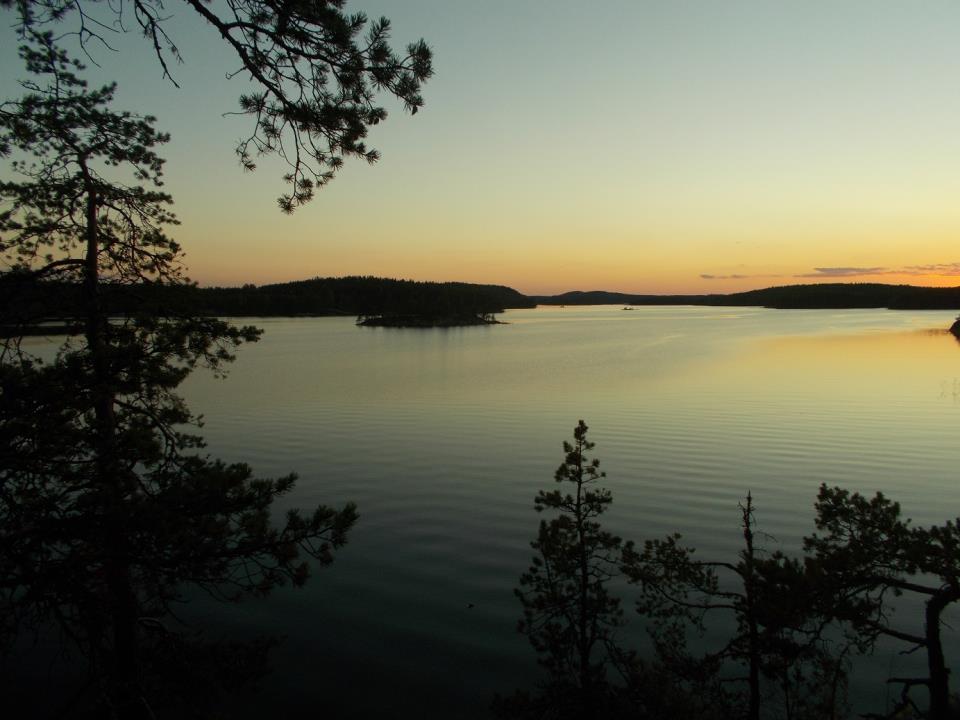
[[444, 438]]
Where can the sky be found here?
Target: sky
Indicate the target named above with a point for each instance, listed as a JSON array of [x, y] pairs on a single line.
[[672, 146]]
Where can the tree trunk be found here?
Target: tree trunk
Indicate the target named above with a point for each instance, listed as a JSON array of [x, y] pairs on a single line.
[[939, 674], [586, 680], [128, 699], [753, 712]]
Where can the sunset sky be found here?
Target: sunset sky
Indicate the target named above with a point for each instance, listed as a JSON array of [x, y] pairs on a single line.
[[661, 147]]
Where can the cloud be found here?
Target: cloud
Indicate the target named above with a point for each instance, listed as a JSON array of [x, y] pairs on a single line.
[[844, 272], [950, 269], [934, 269], [840, 272], [706, 276]]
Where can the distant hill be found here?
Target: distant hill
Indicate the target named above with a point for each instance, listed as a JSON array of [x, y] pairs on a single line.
[[358, 296], [822, 296], [603, 297], [24, 303]]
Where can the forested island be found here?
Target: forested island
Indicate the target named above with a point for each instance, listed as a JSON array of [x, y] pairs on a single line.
[[374, 301], [427, 321], [407, 303]]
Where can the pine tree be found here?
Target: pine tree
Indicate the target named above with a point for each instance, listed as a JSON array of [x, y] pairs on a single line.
[[868, 554], [778, 652], [569, 614], [108, 509], [314, 73]]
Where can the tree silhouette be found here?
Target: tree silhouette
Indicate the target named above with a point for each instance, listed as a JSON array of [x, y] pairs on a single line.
[[107, 508], [316, 72], [868, 553], [780, 620], [569, 614]]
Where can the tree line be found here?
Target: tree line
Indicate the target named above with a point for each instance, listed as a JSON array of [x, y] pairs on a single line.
[[797, 622], [812, 297], [28, 303]]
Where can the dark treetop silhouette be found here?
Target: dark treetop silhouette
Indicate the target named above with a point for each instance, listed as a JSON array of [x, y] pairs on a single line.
[[569, 614], [777, 659], [866, 552], [793, 623], [107, 508], [314, 75]]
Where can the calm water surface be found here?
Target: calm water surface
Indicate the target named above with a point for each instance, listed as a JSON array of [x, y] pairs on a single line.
[[443, 437]]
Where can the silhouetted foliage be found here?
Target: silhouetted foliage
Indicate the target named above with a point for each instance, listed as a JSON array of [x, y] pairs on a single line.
[[796, 621], [779, 652], [568, 613], [869, 554], [108, 510], [780, 621], [313, 72]]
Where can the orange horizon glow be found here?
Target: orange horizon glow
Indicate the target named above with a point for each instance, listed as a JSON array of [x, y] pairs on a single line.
[[691, 148], [666, 287]]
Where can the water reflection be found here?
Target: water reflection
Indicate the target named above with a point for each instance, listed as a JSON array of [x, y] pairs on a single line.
[[443, 439]]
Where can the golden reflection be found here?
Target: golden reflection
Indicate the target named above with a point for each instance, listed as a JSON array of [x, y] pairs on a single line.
[[858, 367]]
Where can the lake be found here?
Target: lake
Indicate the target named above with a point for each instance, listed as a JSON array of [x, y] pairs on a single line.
[[444, 436]]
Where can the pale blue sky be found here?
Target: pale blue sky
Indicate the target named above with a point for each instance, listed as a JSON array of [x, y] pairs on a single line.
[[623, 145]]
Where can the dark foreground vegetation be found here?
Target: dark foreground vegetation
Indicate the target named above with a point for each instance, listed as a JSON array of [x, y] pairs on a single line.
[[797, 623], [111, 511]]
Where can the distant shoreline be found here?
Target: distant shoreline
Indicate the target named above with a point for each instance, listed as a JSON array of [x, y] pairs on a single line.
[[822, 296], [405, 303]]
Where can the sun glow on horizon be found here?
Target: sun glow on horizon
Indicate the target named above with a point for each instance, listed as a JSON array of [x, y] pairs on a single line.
[[686, 148]]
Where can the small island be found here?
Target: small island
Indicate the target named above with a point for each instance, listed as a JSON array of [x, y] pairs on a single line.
[[427, 321]]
